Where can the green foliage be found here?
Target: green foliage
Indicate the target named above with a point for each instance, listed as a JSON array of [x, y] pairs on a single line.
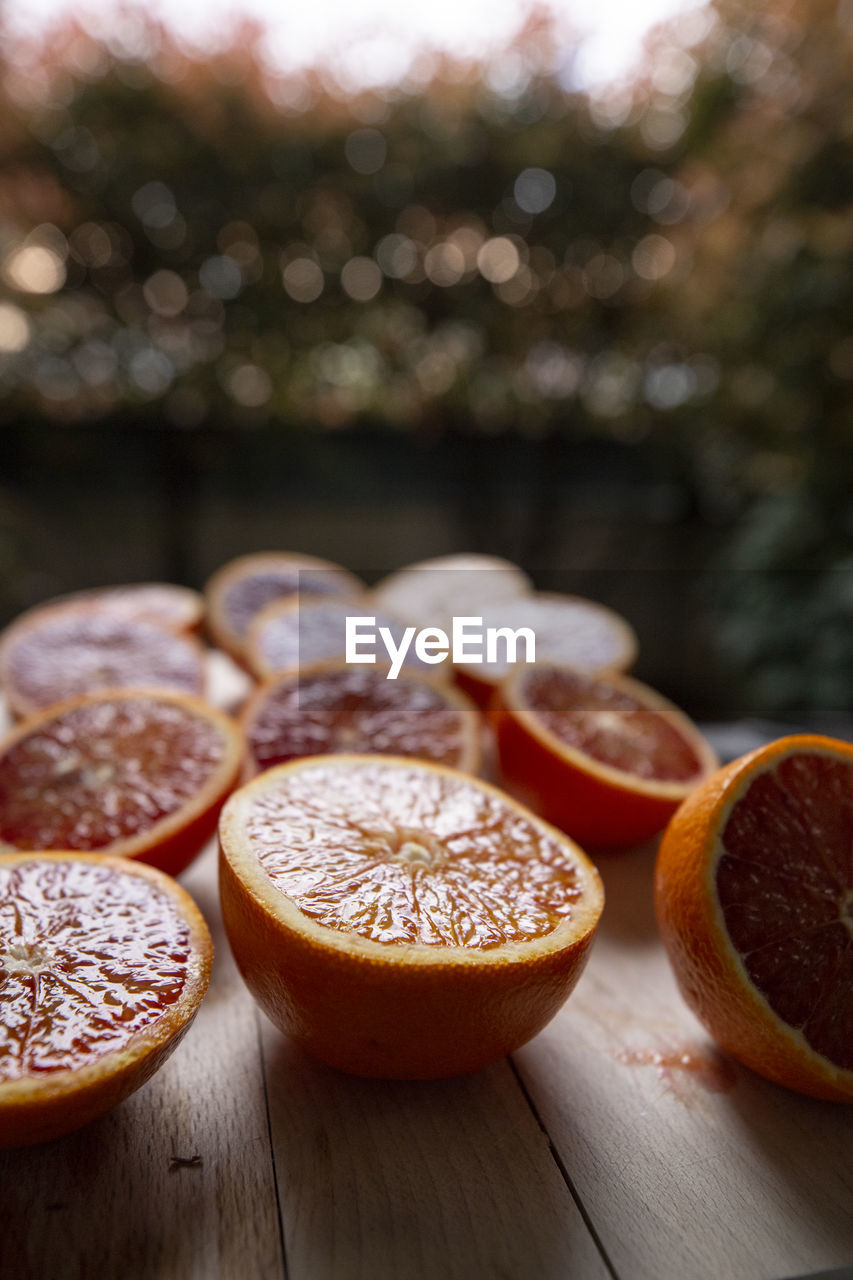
[[320, 268], [197, 244]]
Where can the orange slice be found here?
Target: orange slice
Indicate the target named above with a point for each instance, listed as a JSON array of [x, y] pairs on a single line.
[[291, 635], [238, 591], [431, 592], [142, 775], [399, 918], [103, 964], [754, 895], [62, 650], [337, 708], [162, 603], [569, 631], [606, 758]]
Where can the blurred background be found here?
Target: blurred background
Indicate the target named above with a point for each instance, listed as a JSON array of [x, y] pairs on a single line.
[[571, 288]]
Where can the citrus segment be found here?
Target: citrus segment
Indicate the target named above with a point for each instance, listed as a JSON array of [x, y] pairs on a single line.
[[604, 757], [400, 918], [608, 722], [346, 709], [238, 591], [754, 893], [568, 630], [103, 964], [291, 634], [67, 649], [164, 604], [142, 775], [431, 592]]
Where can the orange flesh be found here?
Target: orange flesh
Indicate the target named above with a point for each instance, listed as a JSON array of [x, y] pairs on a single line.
[[103, 772], [569, 631], [87, 959], [610, 725], [247, 596], [785, 886], [79, 653], [407, 857], [317, 632], [155, 602], [354, 711]]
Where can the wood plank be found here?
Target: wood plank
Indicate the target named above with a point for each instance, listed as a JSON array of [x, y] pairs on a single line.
[[389, 1180], [109, 1201], [698, 1169]]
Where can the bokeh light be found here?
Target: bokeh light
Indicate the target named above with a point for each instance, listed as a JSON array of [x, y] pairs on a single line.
[[34, 268], [303, 279], [361, 279], [498, 260], [366, 150], [15, 329], [534, 190]]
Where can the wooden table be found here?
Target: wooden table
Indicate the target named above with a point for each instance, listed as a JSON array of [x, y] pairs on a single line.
[[617, 1143]]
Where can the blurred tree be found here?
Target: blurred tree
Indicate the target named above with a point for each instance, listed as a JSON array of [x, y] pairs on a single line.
[[767, 175], [480, 249], [213, 244]]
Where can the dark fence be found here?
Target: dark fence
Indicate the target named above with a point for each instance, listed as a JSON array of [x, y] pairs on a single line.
[[87, 505]]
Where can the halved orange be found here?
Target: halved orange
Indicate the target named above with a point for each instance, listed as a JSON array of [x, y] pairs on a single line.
[[431, 592], [290, 635], [336, 708], [165, 604], [140, 774], [754, 896], [401, 919], [569, 630], [103, 965], [238, 591], [605, 758], [62, 650]]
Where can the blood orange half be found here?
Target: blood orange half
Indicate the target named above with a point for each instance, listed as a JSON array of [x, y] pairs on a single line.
[[62, 650], [337, 708], [568, 630], [399, 918], [431, 592], [290, 635], [162, 603], [754, 895], [238, 591], [139, 774], [605, 758], [103, 964]]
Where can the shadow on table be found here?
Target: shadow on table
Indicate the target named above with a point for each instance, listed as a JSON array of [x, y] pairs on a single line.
[[100, 1203], [804, 1143], [628, 875], [413, 1180]]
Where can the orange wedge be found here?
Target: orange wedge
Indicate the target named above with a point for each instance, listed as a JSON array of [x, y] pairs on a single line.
[[336, 708], [238, 591], [754, 895], [569, 630], [291, 635], [59, 651], [162, 603], [431, 592], [605, 758], [103, 964], [398, 918], [141, 775]]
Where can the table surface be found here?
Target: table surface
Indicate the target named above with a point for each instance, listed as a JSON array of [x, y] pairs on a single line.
[[618, 1143]]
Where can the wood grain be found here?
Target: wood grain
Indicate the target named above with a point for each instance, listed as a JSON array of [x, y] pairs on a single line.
[[390, 1180], [111, 1201], [696, 1169]]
